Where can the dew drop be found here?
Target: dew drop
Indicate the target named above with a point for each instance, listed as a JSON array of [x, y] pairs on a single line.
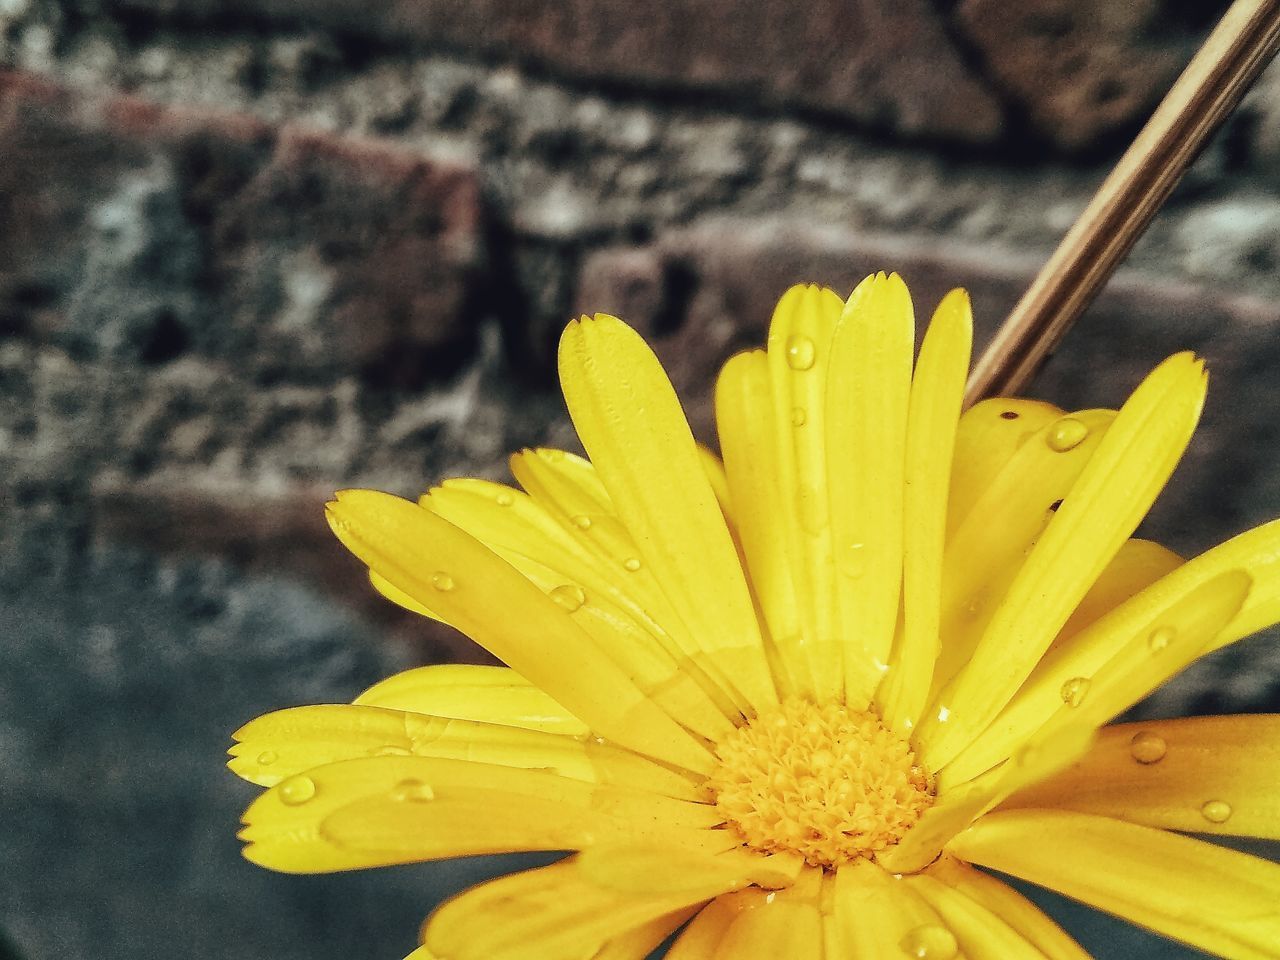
[[800, 352], [631, 563], [1074, 690], [930, 942], [1160, 638], [570, 596], [505, 499], [798, 416], [1147, 747], [412, 791], [442, 581], [1067, 434], [582, 522], [853, 562], [268, 757], [297, 790], [1216, 811]]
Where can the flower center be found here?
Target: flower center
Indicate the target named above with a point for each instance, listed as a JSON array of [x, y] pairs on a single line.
[[827, 782]]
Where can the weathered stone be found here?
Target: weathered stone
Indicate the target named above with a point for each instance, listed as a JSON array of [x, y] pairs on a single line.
[[133, 231], [1083, 69], [887, 63]]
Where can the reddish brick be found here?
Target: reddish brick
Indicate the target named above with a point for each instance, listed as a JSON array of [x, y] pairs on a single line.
[[291, 252], [883, 62], [1082, 69]]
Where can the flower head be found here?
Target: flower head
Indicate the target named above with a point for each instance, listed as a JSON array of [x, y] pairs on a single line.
[[792, 699]]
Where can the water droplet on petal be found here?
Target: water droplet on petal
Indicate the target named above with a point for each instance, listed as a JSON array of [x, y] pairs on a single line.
[[930, 942], [268, 757], [1160, 638], [442, 581], [1067, 434], [297, 790], [1216, 811], [798, 416], [412, 791], [582, 522], [1074, 690], [570, 596], [1147, 747], [853, 561], [800, 352], [505, 499], [631, 563]]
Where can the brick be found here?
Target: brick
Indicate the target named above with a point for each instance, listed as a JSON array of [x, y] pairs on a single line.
[[887, 63], [703, 293], [137, 232], [1083, 69]]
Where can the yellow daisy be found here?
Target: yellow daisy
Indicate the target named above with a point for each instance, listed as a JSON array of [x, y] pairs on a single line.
[[791, 701]]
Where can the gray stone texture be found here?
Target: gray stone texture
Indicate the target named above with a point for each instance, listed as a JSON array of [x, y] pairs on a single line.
[[251, 253]]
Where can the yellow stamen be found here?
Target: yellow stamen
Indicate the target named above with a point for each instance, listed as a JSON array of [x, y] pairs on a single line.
[[826, 782]]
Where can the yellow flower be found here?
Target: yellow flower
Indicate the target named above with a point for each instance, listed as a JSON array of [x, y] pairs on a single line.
[[794, 699]]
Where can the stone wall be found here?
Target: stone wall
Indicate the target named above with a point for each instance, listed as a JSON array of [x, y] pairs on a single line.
[[251, 252]]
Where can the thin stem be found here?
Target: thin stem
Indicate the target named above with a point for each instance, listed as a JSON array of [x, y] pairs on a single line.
[[1203, 96]]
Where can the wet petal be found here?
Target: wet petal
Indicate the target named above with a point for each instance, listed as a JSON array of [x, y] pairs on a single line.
[[1216, 899]]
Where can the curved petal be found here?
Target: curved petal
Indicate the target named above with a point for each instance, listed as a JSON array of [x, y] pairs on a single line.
[[472, 692], [1115, 490], [629, 419], [866, 405], [637, 944], [424, 555], [1137, 565], [1011, 907], [702, 938], [281, 744], [392, 809], [936, 394], [875, 913], [1222, 901], [1168, 773], [988, 435], [550, 912], [796, 370], [982, 935]]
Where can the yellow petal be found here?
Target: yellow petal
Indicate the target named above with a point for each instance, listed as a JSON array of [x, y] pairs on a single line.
[[629, 419], [1217, 775], [877, 914], [713, 466], [986, 553], [988, 435], [650, 869], [550, 912], [1157, 651], [280, 744], [1114, 491], [1137, 565], [1216, 899], [399, 597], [774, 929], [394, 809], [982, 935], [637, 944], [467, 692], [426, 556], [702, 938], [599, 607], [796, 370], [744, 419], [936, 394], [868, 393], [1010, 906]]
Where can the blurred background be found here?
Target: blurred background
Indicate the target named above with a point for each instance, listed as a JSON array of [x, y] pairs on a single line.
[[255, 250]]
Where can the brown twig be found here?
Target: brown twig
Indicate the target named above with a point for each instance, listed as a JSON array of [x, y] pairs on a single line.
[[1203, 96]]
